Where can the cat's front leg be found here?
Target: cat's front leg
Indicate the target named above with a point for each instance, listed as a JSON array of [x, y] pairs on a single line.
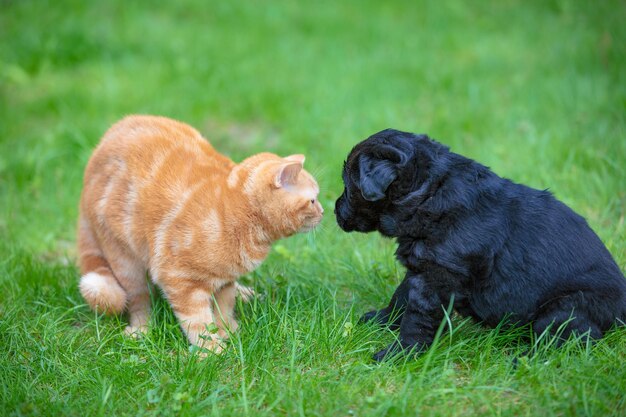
[[192, 303]]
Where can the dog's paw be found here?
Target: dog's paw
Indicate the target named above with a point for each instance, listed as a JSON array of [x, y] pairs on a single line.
[[375, 316], [380, 355], [387, 354], [246, 293], [521, 359], [392, 351], [398, 350]]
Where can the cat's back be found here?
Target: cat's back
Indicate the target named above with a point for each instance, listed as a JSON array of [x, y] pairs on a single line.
[[153, 148], [141, 169], [139, 142]]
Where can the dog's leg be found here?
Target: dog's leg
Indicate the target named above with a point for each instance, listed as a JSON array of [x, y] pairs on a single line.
[[422, 316], [567, 316], [394, 311]]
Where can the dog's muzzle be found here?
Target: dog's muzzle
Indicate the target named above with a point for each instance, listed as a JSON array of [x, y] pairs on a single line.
[[343, 214]]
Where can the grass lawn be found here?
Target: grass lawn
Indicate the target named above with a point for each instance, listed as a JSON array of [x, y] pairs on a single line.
[[534, 89]]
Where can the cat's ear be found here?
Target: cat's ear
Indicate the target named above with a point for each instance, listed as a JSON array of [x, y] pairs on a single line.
[[287, 173], [295, 158]]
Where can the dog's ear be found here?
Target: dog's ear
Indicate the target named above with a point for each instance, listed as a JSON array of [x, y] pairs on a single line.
[[378, 172]]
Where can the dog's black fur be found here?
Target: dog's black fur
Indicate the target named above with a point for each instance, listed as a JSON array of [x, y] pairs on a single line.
[[501, 249]]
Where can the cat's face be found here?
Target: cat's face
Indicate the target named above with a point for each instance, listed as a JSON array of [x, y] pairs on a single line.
[[287, 194]]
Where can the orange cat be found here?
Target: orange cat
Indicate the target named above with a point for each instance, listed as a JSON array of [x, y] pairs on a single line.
[[158, 198]]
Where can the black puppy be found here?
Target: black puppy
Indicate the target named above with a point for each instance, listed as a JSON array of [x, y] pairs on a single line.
[[502, 250]]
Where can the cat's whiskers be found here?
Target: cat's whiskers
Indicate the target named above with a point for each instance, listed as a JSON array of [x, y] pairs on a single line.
[[158, 197]]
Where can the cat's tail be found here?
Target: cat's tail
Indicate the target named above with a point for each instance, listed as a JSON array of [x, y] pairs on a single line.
[[98, 284], [102, 292]]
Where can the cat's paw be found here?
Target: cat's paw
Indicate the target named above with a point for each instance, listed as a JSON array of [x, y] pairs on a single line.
[[208, 348], [246, 293], [215, 346], [136, 331]]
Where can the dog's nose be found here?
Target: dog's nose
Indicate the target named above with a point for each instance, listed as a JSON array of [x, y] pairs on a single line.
[[336, 206]]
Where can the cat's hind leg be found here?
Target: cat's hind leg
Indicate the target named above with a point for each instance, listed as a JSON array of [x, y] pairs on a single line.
[[225, 308], [98, 285], [131, 275], [246, 293]]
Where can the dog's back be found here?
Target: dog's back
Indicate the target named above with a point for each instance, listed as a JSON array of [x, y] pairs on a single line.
[[501, 249], [550, 255]]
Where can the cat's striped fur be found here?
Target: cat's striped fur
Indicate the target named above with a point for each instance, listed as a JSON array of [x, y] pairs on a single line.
[[158, 198]]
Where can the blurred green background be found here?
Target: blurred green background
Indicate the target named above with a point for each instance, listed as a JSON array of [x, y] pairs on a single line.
[[534, 89]]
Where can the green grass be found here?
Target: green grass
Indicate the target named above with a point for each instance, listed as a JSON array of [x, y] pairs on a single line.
[[534, 89]]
